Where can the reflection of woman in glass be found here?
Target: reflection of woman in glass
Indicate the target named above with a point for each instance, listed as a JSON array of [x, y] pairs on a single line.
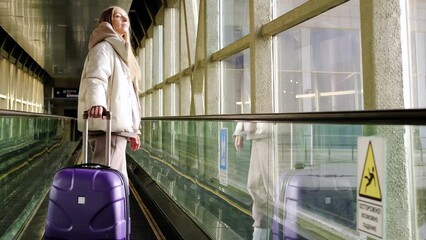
[[260, 174]]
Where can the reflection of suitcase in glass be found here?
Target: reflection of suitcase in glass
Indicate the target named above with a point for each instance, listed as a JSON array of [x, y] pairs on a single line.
[[326, 193], [88, 201]]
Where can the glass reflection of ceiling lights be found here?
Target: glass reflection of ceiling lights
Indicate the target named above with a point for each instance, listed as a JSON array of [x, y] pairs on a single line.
[[326, 94]]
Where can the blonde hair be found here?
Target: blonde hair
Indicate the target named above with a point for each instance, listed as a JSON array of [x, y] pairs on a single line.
[[132, 63]]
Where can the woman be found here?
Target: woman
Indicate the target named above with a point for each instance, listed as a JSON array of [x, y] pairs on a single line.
[[110, 81]]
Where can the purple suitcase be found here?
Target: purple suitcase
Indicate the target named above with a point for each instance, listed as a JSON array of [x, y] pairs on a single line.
[[88, 201]]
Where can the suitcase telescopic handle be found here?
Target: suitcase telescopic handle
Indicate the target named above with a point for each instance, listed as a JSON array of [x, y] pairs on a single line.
[[107, 115]]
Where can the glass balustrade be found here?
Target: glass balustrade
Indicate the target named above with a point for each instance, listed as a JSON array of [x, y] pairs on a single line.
[[282, 179], [32, 149], [290, 181]]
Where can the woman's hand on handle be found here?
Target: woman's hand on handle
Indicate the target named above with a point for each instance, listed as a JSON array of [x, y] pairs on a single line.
[[96, 112]]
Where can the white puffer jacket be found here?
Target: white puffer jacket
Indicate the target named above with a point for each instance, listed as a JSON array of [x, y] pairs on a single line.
[[105, 81], [253, 130]]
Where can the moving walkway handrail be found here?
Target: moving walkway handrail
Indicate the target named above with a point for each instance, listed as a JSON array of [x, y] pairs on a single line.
[[12, 113], [380, 117]]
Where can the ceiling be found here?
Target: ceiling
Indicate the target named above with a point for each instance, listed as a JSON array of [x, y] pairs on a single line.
[[49, 37]]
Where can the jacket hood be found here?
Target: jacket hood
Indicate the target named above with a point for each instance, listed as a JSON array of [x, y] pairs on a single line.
[[105, 32]]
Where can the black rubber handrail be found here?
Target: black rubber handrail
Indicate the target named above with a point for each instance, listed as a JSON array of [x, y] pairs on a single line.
[[11, 113], [378, 117]]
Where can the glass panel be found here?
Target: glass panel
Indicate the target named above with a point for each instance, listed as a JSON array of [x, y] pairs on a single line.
[[284, 6], [183, 41], [236, 83], [417, 25], [21, 81], [32, 149], [40, 97], [175, 41], [234, 20], [319, 63], [185, 96], [3, 85], [157, 61], [142, 64], [12, 86], [289, 181], [157, 107], [148, 64], [149, 105], [144, 105], [188, 29], [419, 149], [171, 45], [175, 96]]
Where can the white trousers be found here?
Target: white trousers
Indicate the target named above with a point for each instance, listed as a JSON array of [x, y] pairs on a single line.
[[118, 152], [260, 183]]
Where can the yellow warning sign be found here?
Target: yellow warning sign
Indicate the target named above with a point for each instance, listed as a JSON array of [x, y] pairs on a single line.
[[369, 186]]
